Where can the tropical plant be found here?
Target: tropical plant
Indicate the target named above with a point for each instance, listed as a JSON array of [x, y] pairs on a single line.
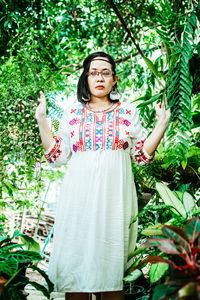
[[178, 206], [181, 251], [14, 260]]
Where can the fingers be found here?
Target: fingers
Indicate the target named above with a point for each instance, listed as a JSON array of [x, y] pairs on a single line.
[[42, 97]]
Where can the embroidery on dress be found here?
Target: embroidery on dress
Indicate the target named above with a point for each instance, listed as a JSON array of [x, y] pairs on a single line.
[[140, 157], [55, 151], [107, 131]]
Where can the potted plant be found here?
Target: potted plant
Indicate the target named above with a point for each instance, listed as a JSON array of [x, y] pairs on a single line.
[[14, 260], [133, 291], [181, 251]]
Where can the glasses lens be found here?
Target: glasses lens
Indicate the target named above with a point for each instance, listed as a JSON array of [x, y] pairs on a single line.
[[93, 73], [96, 73], [107, 73]]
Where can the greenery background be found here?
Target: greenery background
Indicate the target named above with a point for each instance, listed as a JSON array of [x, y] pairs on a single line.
[[42, 47]]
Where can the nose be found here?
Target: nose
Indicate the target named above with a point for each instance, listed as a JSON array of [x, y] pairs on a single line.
[[99, 76]]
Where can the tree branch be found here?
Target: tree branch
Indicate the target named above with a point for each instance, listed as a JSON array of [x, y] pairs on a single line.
[[117, 61], [126, 27]]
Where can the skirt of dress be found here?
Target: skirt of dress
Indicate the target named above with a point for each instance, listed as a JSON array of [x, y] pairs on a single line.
[[92, 238]]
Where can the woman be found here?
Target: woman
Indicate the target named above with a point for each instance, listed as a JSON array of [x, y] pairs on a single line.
[[98, 136]]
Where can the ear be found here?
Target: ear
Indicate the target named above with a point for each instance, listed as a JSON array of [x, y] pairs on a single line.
[[115, 79]]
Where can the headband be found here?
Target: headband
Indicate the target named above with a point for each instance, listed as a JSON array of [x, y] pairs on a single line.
[[101, 59]]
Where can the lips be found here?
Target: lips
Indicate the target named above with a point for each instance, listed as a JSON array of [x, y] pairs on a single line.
[[99, 87]]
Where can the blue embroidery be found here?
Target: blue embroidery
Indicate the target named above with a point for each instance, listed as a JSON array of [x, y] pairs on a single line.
[[99, 131], [79, 111], [108, 144], [121, 111], [89, 117], [88, 144], [110, 116]]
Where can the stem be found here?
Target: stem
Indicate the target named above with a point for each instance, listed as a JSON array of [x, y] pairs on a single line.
[[13, 276], [126, 27]]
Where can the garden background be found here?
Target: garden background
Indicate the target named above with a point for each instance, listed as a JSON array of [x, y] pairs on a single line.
[[156, 47]]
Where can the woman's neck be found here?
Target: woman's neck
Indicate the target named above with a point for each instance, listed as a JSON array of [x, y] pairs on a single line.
[[99, 102]]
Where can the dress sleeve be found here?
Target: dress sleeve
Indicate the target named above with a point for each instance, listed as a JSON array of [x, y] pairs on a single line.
[[59, 152], [138, 153]]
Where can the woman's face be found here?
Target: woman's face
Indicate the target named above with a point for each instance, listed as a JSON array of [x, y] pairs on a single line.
[[99, 85]]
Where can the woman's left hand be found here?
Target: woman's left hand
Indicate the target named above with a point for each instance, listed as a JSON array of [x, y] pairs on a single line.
[[162, 114]]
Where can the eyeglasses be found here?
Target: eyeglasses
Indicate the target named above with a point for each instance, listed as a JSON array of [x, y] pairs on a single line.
[[105, 74]]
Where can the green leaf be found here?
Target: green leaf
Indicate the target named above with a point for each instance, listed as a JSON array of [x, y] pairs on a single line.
[[157, 271], [133, 276], [44, 274], [23, 255], [153, 230], [8, 265], [192, 228], [151, 66], [170, 199], [32, 245], [189, 203], [184, 164], [40, 288], [163, 290]]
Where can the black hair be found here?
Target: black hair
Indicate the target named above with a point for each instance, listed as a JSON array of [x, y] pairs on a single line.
[[82, 87]]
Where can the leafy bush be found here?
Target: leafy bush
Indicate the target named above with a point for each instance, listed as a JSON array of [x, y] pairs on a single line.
[[13, 261]]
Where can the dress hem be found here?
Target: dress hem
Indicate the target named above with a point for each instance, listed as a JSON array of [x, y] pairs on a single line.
[[89, 291]]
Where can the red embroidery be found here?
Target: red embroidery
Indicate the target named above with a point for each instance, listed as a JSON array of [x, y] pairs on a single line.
[[140, 158], [120, 144], [127, 132], [72, 133], [128, 112], [73, 111], [121, 120], [55, 151]]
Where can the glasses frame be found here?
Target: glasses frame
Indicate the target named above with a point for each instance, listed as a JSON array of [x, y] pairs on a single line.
[[100, 72]]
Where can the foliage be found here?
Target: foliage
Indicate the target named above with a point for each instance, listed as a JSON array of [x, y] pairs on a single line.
[[182, 248], [42, 46], [179, 205], [172, 208], [13, 261]]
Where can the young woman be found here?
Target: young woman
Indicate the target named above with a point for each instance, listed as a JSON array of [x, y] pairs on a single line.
[[98, 136]]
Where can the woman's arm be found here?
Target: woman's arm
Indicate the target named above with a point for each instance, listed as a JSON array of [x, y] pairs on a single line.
[[152, 142], [45, 132]]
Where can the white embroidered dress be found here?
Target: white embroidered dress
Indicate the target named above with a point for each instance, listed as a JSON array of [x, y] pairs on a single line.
[[92, 238]]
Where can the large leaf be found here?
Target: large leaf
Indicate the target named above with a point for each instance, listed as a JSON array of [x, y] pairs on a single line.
[[23, 256], [163, 290], [153, 230], [170, 199], [31, 244], [155, 260], [133, 276], [157, 271], [165, 245], [189, 203], [40, 288], [170, 233], [43, 273], [192, 228], [8, 266]]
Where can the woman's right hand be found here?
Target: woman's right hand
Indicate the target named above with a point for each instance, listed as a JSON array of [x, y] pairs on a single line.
[[40, 113]]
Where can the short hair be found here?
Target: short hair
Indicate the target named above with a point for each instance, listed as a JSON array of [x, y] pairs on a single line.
[[82, 87]]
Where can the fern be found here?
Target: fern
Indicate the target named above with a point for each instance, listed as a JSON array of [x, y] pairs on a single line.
[[179, 95]]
